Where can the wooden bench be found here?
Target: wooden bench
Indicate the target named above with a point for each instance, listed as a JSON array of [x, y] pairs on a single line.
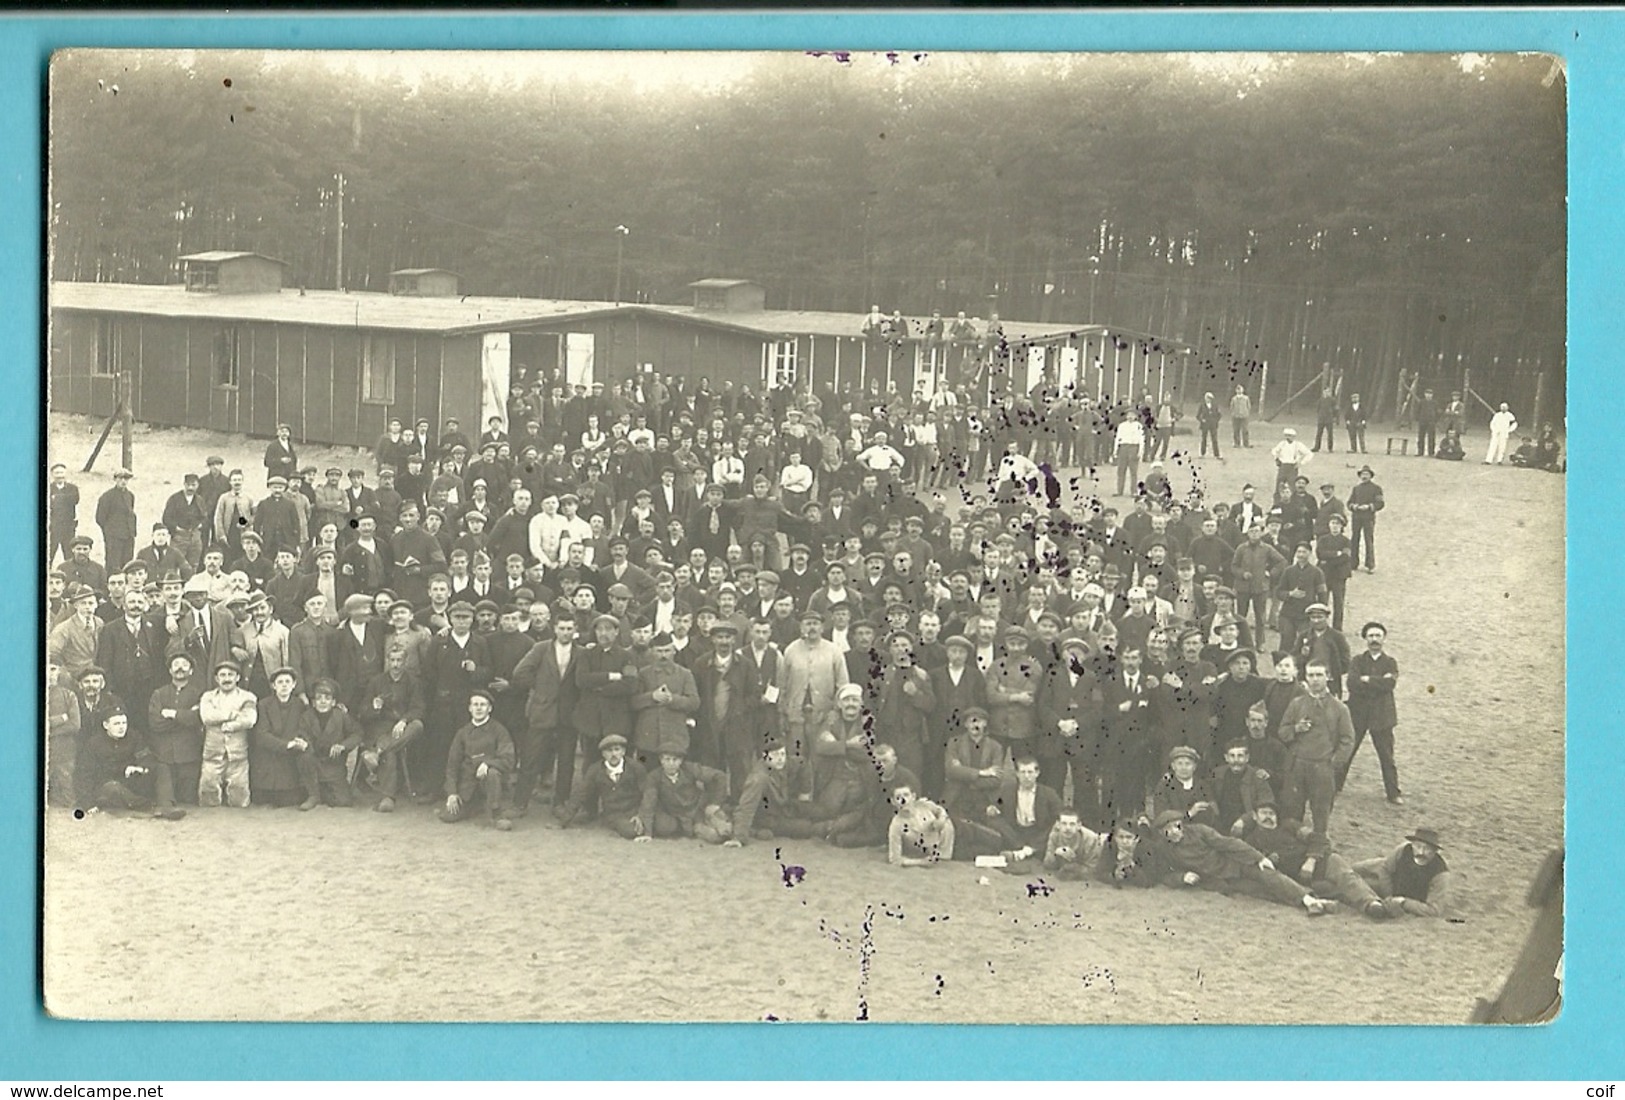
[[1404, 442]]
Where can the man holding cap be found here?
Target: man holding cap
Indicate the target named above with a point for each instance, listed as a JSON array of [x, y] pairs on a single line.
[[228, 713]]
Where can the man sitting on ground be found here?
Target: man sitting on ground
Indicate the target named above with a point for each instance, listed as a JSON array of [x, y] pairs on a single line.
[[681, 798], [1413, 878], [921, 833]]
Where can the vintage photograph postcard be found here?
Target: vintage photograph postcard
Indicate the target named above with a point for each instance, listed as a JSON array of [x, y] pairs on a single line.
[[808, 536]]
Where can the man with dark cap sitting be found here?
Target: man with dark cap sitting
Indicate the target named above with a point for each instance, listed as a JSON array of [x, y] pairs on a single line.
[[682, 798], [481, 761], [611, 791]]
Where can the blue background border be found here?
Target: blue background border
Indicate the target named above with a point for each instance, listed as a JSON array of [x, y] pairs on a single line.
[[1585, 1043]]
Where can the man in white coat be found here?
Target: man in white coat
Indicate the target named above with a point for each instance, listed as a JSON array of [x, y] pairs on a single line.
[[1502, 425]]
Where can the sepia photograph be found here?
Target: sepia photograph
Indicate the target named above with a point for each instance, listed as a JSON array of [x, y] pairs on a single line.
[[820, 536]]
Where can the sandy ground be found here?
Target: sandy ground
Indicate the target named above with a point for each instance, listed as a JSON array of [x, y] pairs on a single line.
[[346, 914]]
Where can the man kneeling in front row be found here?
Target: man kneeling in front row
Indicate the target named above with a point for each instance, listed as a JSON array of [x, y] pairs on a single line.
[[681, 798], [480, 762]]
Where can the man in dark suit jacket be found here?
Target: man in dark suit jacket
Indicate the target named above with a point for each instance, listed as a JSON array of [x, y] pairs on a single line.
[[356, 651], [1069, 713], [606, 676], [131, 650], [670, 501], [1026, 811], [548, 741], [457, 665], [729, 686], [1128, 740], [202, 631]]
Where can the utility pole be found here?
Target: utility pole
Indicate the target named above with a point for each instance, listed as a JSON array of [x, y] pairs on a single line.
[[621, 232], [338, 282]]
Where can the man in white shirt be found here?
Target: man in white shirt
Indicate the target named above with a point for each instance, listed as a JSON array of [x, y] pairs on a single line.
[[1502, 425], [728, 471], [1130, 442], [1289, 455], [546, 529]]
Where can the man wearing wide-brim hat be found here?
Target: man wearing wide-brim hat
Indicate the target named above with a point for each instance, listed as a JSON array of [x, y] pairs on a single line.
[[1413, 878], [72, 643]]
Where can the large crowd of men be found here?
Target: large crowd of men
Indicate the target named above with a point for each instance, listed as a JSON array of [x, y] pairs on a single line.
[[670, 612]]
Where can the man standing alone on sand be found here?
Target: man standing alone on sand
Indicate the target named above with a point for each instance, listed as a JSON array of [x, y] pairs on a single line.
[[1241, 411], [1502, 425]]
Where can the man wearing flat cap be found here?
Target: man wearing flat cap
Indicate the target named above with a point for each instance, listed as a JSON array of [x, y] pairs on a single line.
[[725, 734], [355, 648], [73, 642], [234, 513], [905, 702], [80, 569], [1012, 691], [228, 712], [1321, 643], [682, 798], [202, 629], [811, 671], [187, 517], [606, 676], [115, 515], [610, 792], [163, 555], [665, 700], [1412, 879], [458, 664], [334, 737], [479, 761], [957, 687]]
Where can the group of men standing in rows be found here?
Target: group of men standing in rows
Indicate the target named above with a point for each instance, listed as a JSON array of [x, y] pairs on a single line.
[[795, 667]]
